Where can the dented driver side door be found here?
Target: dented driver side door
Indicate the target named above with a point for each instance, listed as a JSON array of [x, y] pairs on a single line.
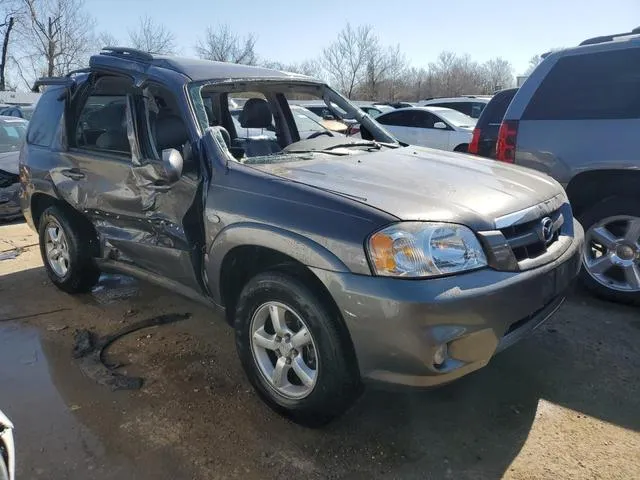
[[139, 217]]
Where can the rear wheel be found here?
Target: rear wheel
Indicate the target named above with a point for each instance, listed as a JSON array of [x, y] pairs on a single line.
[[463, 148], [293, 350], [611, 255], [66, 251]]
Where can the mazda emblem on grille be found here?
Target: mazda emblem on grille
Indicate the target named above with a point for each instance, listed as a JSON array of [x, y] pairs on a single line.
[[546, 229]]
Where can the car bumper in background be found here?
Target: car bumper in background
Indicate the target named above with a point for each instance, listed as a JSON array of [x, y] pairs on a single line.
[[10, 202], [397, 326]]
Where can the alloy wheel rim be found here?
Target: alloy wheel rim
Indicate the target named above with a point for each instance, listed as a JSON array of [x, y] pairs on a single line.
[[57, 249], [611, 253], [284, 350]]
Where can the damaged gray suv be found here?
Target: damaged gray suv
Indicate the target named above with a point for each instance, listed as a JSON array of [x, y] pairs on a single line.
[[336, 260]]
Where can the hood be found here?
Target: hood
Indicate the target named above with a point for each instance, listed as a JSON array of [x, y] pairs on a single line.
[[415, 183], [9, 162]]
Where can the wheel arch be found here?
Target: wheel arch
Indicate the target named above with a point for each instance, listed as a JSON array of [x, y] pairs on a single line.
[[591, 187]]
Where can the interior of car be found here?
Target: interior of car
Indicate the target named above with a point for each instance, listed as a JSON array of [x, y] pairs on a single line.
[[102, 123]]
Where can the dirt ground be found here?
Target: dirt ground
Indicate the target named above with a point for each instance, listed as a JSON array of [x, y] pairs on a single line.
[[564, 403]]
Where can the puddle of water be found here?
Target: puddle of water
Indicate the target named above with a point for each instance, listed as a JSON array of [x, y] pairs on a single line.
[[50, 440], [114, 288]]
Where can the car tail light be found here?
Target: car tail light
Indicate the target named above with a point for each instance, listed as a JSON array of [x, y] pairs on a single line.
[[506, 145], [352, 130], [474, 146]]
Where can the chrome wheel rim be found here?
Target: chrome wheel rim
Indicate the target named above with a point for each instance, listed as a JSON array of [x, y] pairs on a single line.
[[284, 350], [612, 253], [57, 249]]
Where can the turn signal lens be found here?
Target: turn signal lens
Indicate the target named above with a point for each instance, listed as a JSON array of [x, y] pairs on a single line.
[[382, 252]]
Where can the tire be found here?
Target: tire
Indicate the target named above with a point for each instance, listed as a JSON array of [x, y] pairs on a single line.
[[462, 148], [337, 381], [81, 272], [616, 214]]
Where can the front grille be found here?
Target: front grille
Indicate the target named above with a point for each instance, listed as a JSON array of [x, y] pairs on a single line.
[[7, 179], [527, 240]]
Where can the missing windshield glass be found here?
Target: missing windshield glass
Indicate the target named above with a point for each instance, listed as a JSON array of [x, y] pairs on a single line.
[[267, 121]]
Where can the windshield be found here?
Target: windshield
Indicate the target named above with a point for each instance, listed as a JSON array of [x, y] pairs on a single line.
[[456, 118], [270, 125], [12, 133]]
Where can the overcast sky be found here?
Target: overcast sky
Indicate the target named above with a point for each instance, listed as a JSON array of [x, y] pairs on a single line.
[[291, 31]]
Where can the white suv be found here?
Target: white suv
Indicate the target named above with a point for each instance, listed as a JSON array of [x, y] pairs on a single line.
[[469, 105]]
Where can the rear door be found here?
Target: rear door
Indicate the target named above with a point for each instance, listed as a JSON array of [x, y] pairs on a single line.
[[402, 125], [114, 175]]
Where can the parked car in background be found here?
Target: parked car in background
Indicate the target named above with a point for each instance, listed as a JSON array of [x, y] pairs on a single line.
[[469, 105], [12, 134], [17, 111], [433, 127], [485, 135], [396, 104], [7, 449], [308, 123], [337, 260], [577, 118]]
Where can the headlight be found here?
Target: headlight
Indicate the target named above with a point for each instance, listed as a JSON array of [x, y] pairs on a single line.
[[424, 249]]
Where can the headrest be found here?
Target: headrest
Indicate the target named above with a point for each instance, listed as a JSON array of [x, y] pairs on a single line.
[[256, 114], [170, 132]]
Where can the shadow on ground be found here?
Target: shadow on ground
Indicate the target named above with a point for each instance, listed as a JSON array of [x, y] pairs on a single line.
[[198, 405]]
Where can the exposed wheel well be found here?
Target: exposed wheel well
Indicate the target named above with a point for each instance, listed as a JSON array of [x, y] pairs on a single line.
[[244, 262], [589, 188], [463, 147], [41, 201]]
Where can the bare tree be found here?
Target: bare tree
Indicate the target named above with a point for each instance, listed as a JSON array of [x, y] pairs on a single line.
[[222, 45], [384, 66], [308, 67], [57, 37], [345, 61], [106, 39], [9, 15], [533, 63], [497, 75], [152, 37]]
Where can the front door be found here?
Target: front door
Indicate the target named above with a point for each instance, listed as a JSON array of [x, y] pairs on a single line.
[[116, 135]]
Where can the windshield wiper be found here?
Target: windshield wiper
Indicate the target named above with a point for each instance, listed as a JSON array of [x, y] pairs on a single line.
[[375, 145]]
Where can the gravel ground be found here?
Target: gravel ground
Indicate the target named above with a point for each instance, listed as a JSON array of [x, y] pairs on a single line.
[[563, 403]]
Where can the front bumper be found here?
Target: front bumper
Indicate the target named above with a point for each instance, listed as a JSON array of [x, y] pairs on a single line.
[[397, 325], [10, 202]]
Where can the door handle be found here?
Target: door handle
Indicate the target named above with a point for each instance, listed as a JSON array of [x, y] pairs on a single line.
[[73, 173]]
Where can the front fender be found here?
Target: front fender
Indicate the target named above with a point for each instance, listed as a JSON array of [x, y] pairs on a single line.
[[294, 245]]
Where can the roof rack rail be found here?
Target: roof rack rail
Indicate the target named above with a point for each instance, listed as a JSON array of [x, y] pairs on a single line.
[[609, 38], [130, 53]]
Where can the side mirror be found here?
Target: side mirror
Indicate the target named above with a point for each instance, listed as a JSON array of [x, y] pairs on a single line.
[[440, 125], [172, 162]]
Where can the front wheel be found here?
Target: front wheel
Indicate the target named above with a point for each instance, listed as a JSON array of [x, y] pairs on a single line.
[[611, 255], [293, 350]]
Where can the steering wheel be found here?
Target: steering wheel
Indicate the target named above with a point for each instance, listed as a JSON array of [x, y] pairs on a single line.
[[320, 132]]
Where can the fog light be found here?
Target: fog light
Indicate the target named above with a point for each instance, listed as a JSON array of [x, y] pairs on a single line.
[[440, 355]]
